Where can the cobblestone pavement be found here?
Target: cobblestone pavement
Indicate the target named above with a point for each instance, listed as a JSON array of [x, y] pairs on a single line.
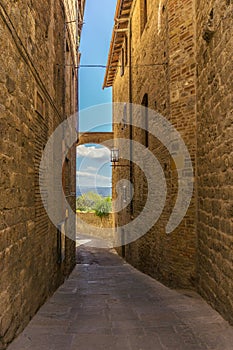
[[107, 304]]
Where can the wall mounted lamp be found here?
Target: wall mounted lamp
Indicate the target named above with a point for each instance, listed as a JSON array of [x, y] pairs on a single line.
[[114, 155], [115, 158]]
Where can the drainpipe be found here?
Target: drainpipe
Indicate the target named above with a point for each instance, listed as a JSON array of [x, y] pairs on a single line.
[[64, 101], [130, 115], [77, 57]]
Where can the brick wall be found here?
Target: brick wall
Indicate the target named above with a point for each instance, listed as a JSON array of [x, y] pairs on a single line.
[[194, 91], [32, 104], [215, 157], [167, 40]]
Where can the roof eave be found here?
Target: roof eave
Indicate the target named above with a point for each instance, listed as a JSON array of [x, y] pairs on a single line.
[[109, 67]]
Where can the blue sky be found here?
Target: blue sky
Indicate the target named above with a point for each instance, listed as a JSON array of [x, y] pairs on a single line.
[[93, 166], [95, 42]]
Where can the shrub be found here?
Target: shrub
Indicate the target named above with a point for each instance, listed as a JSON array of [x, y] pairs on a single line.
[[91, 201], [103, 207], [88, 201]]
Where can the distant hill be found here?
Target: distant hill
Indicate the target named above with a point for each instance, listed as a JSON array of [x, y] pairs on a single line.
[[103, 191]]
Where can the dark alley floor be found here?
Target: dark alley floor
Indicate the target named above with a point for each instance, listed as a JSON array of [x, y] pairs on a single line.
[[107, 304]]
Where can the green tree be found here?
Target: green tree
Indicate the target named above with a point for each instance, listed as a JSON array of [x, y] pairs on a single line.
[[103, 207], [88, 201]]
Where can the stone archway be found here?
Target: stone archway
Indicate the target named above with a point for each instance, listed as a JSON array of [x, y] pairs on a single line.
[[105, 139], [96, 138]]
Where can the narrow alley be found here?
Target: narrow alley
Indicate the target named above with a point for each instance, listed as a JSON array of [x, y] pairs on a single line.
[[116, 122], [107, 304]]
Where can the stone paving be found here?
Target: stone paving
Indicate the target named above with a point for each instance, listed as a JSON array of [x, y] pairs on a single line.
[[107, 304]]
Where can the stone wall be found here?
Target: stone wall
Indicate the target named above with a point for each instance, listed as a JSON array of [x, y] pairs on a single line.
[[163, 67], [194, 92], [95, 222], [32, 104], [215, 153]]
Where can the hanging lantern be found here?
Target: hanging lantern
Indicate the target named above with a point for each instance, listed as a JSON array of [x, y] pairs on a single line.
[[114, 155]]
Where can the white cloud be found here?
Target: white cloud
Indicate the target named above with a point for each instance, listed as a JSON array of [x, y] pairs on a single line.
[[85, 178], [91, 169], [94, 159], [93, 152]]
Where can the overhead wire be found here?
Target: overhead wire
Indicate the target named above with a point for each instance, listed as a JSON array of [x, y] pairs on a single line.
[[118, 66]]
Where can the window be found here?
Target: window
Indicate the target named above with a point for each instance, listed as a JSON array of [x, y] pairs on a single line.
[[143, 14], [67, 47], [61, 242], [126, 50], [40, 104], [122, 62], [145, 120]]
